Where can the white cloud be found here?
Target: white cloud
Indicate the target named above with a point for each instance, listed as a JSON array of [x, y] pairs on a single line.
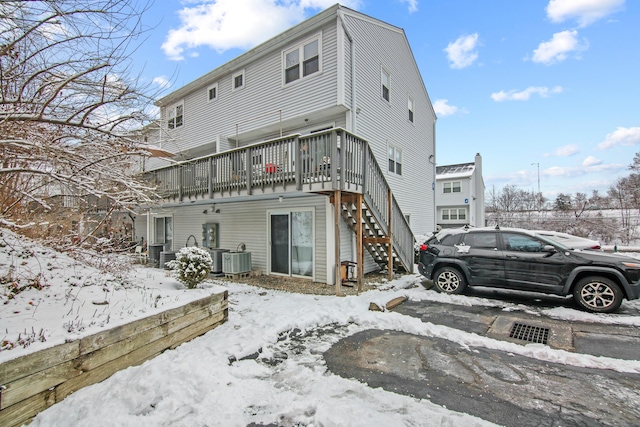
[[227, 24], [591, 161], [621, 136], [162, 82], [442, 108], [543, 92], [462, 52], [558, 48], [413, 5], [567, 151], [573, 171], [584, 11]]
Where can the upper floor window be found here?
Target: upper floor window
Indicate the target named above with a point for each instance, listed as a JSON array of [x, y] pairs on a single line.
[[451, 187], [302, 60], [174, 116], [238, 80], [212, 92], [385, 78], [410, 104], [395, 160]]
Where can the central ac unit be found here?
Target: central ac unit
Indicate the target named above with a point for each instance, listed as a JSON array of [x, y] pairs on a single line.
[[236, 262], [216, 257]]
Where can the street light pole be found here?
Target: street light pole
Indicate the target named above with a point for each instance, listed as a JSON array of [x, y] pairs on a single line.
[[538, 197]]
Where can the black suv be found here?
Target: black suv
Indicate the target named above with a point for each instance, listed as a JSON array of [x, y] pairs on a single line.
[[518, 259]]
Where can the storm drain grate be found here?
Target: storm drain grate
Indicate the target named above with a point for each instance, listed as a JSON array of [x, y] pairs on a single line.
[[529, 333]]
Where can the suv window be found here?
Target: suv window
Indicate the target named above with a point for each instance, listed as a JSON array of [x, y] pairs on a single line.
[[481, 240], [521, 243], [450, 239]]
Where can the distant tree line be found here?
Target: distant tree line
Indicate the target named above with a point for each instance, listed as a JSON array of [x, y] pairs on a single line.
[[610, 217]]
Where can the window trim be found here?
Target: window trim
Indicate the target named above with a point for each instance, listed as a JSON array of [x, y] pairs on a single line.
[[397, 151], [233, 80], [447, 214], [172, 116], [215, 98], [385, 73], [450, 185], [411, 105], [299, 47], [167, 229]]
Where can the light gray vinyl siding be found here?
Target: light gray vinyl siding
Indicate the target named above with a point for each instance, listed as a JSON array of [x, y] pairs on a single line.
[[378, 46], [245, 222], [261, 100]]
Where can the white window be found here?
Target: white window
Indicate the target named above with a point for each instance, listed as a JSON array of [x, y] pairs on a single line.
[[410, 104], [302, 60], [238, 80], [451, 187], [454, 214], [395, 160], [174, 116], [164, 231], [385, 79], [212, 92]]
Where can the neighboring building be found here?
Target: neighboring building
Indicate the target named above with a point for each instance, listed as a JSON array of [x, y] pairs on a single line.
[[310, 149], [460, 195]]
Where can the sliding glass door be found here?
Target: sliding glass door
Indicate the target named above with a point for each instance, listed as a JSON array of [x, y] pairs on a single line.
[[291, 243]]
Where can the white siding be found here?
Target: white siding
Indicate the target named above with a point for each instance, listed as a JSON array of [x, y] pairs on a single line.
[[381, 123], [259, 102], [245, 222]]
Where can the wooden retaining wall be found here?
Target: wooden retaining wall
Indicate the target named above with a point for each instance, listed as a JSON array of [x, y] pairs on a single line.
[[31, 383]]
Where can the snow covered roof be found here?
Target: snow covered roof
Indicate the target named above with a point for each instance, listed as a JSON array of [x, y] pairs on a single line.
[[455, 171]]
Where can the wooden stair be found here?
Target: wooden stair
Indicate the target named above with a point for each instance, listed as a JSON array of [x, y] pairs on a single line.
[[374, 237]]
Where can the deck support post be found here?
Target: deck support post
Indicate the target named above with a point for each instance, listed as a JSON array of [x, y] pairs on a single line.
[[359, 243], [390, 237], [337, 205]]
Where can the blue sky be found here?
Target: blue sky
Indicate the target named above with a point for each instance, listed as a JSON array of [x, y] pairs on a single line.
[[553, 84]]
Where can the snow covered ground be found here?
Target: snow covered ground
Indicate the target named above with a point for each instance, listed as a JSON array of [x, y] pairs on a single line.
[[216, 380]]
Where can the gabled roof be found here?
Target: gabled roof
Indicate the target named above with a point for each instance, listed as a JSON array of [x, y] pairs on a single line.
[[275, 43]]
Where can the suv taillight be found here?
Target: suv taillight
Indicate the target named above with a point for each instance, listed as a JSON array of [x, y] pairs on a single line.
[[423, 247]]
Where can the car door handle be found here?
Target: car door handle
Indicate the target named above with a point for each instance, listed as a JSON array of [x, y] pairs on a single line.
[[513, 256]]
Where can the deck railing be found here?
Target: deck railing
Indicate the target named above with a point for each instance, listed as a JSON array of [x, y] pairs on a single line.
[[320, 162]]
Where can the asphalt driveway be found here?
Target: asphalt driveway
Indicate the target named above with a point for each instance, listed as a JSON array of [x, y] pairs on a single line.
[[497, 386]]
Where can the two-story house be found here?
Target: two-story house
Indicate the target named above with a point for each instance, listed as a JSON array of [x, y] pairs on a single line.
[[460, 195], [308, 150]]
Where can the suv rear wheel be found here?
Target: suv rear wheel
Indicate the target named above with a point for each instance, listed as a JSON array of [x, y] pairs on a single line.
[[449, 280], [598, 294]]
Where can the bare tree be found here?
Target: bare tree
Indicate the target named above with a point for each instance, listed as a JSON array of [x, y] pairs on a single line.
[[621, 193], [68, 103]]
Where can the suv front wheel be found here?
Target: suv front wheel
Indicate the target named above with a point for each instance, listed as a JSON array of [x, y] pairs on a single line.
[[598, 294], [449, 280]]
